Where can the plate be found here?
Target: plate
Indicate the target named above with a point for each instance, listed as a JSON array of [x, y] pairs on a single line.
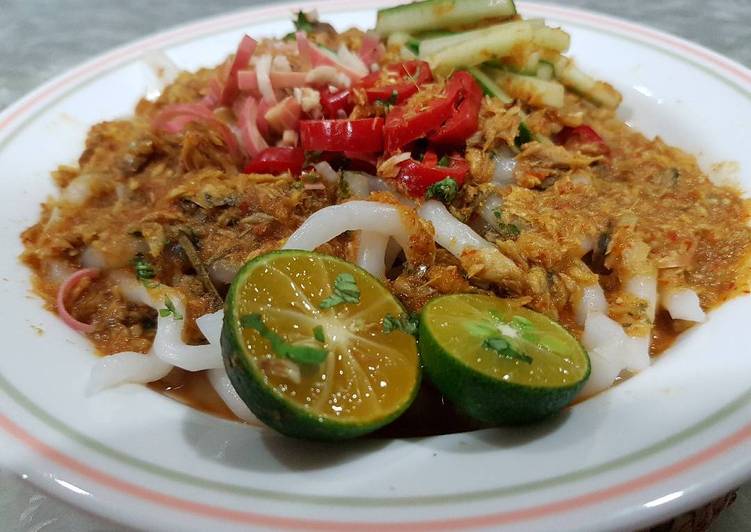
[[663, 442]]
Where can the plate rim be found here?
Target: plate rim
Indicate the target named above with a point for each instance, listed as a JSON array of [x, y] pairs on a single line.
[[27, 108]]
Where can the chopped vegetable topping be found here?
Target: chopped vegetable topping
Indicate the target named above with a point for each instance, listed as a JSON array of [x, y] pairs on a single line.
[[445, 190], [318, 333], [304, 354], [144, 271], [524, 136], [302, 23], [345, 291], [405, 323], [505, 231], [170, 310]]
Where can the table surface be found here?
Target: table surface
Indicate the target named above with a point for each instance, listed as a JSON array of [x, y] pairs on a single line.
[[51, 36]]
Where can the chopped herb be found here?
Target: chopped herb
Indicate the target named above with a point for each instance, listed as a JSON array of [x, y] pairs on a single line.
[[345, 291], [170, 310], [318, 334], [302, 23], [505, 231], [303, 354], [524, 136], [444, 190], [444, 161], [405, 322], [344, 189], [413, 45], [503, 348], [144, 271], [389, 102]]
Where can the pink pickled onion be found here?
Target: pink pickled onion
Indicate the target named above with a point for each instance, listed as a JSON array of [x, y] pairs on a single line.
[[247, 81], [247, 115], [213, 95], [261, 122], [173, 119], [242, 57], [287, 80], [284, 115], [311, 54], [68, 285], [372, 49]]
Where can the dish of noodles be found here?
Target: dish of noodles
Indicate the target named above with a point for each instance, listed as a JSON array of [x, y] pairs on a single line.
[[454, 152]]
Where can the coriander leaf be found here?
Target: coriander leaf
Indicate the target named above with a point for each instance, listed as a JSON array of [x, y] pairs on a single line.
[[144, 271], [303, 354], [524, 136], [302, 23], [405, 322], [389, 102], [170, 310], [502, 347], [318, 333], [444, 190], [444, 161], [506, 231], [345, 291]]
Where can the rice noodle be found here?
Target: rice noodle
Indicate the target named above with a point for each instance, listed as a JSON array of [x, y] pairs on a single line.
[[488, 209], [591, 300], [78, 190], [505, 163], [330, 222], [683, 304], [223, 387], [644, 287], [328, 174], [126, 367], [605, 342], [358, 184], [371, 253]]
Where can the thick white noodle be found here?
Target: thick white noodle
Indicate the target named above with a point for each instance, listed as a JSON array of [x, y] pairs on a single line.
[[591, 299], [221, 383], [327, 173], [683, 304], [371, 253], [210, 326], [126, 367], [605, 342], [488, 210], [450, 233], [330, 222], [644, 287], [358, 183], [505, 163]]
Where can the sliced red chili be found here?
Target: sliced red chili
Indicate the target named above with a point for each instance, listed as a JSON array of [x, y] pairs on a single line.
[[463, 122], [364, 135], [277, 160], [334, 102], [396, 82], [582, 138], [418, 176]]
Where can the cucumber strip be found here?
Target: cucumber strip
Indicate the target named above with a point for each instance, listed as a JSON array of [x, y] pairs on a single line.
[[484, 45], [597, 91], [545, 70], [532, 90], [436, 14], [489, 86], [551, 38]]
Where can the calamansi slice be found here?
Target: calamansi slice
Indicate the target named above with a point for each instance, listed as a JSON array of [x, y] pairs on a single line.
[[497, 361], [305, 346]]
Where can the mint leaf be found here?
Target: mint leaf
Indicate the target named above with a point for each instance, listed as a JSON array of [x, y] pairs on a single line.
[[345, 291], [444, 190], [404, 322], [502, 347], [303, 354], [318, 334]]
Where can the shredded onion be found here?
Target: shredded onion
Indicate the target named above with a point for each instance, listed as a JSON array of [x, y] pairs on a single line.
[[263, 73], [79, 190], [164, 69], [287, 80], [328, 174], [313, 56], [252, 140], [352, 61], [284, 115], [289, 138], [65, 289], [357, 183], [327, 75], [247, 81], [280, 63], [390, 167], [242, 57]]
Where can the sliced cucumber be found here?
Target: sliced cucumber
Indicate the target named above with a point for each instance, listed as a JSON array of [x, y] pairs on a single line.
[[570, 75], [545, 70], [437, 14], [551, 38], [489, 86], [481, 46], [534, 91]]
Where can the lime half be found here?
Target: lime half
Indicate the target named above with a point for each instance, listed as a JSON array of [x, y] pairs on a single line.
[[499, 362], [305, 346]]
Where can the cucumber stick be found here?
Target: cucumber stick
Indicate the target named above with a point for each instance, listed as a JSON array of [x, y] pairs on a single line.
[[597, 91], [489, 87], [535, 91], [437, 14]]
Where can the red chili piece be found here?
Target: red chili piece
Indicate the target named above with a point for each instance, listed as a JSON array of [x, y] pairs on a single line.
[[364, 135], [277, 160], [463, 121], [418, 176], [401, 81], [582, 138]]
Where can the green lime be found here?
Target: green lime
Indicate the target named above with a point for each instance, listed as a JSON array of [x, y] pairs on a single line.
[[306, 347], [499, 362]]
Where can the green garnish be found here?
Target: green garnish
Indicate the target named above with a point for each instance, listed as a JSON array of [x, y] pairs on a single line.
[[345, 291], [303, 354], [144, 271], [506, 231], [524, 135], [405, 323], [444, 161], [302, 23], [318, 334], [444, 190], [389, 102], [503, 348], [344, 189], [170, 310]]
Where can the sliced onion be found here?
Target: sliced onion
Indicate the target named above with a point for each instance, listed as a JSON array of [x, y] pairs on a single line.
[[213, 94], [390, 167], [313, 56], [62, 292], [223, 386], [352, 61], [284, 115], [683, 304], [126, 367], [173, 119], [252, 140], [263, 74], [287, 80], [372, 49], [242, 57], [247, 81], [325, 75], [328, 174]]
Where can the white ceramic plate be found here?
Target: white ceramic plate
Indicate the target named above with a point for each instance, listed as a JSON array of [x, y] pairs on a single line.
[[662, 443]]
